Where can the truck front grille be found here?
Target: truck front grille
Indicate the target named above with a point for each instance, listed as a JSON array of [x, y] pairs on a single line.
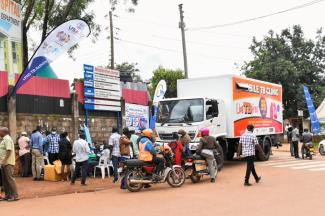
[[169, 136]]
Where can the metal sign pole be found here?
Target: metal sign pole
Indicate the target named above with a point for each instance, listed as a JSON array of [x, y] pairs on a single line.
[[86, 118]]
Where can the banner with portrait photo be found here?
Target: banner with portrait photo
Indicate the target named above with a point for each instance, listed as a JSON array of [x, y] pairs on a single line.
[[136, 116]]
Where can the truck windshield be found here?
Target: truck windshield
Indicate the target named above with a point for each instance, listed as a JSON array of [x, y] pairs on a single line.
[[179, 111]]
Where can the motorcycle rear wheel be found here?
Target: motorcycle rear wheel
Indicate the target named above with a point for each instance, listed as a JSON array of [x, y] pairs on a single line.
[[176, 178], [131, 186], [321, 150], [195, 178]]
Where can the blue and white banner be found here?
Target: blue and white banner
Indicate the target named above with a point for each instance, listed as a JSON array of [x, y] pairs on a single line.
[[315, 125], [58, 41], [159, 95]]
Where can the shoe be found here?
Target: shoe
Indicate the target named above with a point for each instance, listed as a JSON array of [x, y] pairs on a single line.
[[12, 199], [83, 184], [247, 184], [72, 183], [115, 180], [3, 198], [258, 179], [147, 186], [35, 179], [213, 180]]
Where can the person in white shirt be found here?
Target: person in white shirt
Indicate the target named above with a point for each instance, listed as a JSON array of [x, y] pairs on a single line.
[[81, 149], [114, 146]]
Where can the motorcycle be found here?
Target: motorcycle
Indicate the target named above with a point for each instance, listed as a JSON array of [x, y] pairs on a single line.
[[140, 173], [321, 147], [308, 151], [196, 167]]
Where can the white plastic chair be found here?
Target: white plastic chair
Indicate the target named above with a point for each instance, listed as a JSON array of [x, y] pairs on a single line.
[[103, 164]]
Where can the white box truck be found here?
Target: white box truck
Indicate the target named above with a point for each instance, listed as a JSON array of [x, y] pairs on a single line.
[[226, 105]]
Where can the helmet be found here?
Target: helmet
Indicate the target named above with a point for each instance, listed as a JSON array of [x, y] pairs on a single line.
[[147, 133], [205, 131]]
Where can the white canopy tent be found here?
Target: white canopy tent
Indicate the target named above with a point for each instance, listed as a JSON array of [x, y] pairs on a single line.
[[320, 111]]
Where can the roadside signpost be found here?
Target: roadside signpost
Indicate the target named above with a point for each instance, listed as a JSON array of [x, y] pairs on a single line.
[[102, 90]]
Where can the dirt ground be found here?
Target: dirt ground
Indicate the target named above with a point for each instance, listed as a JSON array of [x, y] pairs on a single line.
[[283, 191]]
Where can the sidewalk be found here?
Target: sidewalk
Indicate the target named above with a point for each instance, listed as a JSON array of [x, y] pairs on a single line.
[[27, 188]]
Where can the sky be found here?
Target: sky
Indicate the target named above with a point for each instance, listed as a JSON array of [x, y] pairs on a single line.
[[150, 36]]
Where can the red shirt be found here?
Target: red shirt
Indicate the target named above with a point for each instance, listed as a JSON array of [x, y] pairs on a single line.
[[177, 149]]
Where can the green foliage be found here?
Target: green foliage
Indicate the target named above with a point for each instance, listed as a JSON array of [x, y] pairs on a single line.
[[129, 70], [291, 60], [170, 76]]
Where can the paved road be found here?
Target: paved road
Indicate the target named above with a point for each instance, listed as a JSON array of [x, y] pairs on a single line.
[[286, 186]]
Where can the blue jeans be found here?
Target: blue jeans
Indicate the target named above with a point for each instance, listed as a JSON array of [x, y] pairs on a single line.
[[123, 182]]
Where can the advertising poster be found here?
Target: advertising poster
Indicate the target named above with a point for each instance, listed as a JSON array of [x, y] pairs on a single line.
[[257, 103], [136, 116], [10, 39]]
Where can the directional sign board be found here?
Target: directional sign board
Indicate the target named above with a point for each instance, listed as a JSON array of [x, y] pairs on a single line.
[[102, 89]]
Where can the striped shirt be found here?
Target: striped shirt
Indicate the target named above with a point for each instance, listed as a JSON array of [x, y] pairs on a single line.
[[248, 141]]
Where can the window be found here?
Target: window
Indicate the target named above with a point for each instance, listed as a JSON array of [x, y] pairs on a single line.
[[211, 109], [14, 53]]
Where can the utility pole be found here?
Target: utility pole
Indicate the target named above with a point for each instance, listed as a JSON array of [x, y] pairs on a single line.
[[112, 38], [182, 27]]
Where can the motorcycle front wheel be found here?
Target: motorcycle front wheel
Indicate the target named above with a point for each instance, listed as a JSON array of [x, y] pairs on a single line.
[[176, 177], [132, 187]]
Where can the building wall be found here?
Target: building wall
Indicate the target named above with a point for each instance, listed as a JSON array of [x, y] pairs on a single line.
[[100, 127]]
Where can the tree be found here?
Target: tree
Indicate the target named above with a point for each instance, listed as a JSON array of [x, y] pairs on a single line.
[[45, 15], [170, 76], [293, 61], [129, 72]]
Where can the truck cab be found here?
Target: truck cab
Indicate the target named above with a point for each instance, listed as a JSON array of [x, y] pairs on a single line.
[[191, 115]]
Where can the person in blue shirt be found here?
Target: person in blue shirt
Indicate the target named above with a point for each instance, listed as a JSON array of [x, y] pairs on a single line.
[[36, 144]]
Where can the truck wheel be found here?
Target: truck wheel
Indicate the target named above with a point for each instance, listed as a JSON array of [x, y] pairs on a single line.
[[220, 158], [266, 148]]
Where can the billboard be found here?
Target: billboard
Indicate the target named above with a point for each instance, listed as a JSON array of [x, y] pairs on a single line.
[[136, 116], [257, 103], [11, 59], [102, 89]]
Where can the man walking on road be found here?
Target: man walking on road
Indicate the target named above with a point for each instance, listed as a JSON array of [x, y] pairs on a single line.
[[7, 162], [295, 141], [248, 141], [81, 149], [36, 144]]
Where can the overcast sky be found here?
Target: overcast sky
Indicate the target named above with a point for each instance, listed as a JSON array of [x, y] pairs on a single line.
[[151, 37]]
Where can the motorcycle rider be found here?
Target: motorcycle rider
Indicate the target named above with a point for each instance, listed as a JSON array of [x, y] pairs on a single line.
[[307, 138], [205, 149], [148, 153]]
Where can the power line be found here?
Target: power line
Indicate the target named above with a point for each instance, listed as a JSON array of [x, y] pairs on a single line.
[[177, 51], [256, 18], [199, 43]]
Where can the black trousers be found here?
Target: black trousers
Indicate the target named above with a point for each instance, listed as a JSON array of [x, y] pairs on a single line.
[[295, 148], [250, 168], [53, 157], [26, 164], [83, 167], [159, 164]]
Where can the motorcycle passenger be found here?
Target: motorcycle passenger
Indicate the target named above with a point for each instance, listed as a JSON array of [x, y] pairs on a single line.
[[307, 138], [148, 153], [185, 140], [177, 149], [205, 149]]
